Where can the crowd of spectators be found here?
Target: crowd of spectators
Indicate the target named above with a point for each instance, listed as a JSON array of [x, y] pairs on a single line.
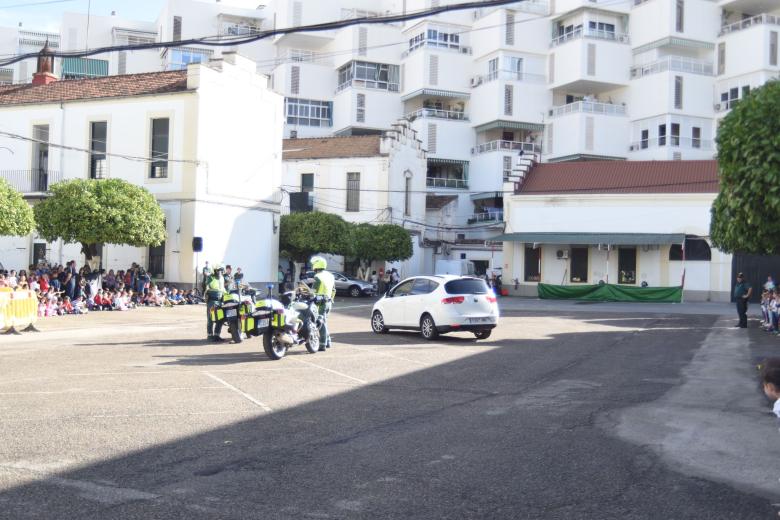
[[64, 289]]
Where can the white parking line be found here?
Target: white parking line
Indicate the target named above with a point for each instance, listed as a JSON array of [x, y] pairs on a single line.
[[111, 391], [353, 306], [240, 392], [378, 353], [331, 371]]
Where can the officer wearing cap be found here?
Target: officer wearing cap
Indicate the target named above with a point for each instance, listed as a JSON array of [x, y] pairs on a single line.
[[742, 292]]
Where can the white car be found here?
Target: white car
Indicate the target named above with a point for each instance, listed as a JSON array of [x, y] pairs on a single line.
[[436, 305]]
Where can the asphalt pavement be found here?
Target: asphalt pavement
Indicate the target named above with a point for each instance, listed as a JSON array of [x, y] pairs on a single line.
[[569, 413]]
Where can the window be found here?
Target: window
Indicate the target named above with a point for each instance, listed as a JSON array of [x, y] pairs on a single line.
[[360, 116], [177, 28], [408, 195], [643, 140], [158, 168], [180, 58], [157, 260], [353, 191], [98, 135], [81, 68], [579, 264], [507, 167], [514, 66], [508, 94], [696, 249], [369, 75], [493, 69], [661, 135], [773, 48], [745, 91], [423, 286], [533, 264], [627, 265], [721, 57], [307, 182], [6, 76], [40, 158], [510, 29], [696, 137], [362, 41], [432, 138], [601, 30], [403, 288], [466, 286], [678, 92], [309, 112], [295, 80], [679, 20], [675, 137]]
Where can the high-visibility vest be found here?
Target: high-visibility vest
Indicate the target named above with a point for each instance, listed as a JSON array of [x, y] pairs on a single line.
[[215, 284], [327, 285]]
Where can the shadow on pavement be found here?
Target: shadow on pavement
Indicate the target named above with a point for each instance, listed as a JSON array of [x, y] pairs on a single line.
[[506, 433]]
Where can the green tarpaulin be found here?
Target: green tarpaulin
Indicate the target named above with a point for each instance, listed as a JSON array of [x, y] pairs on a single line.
[[610, 293]]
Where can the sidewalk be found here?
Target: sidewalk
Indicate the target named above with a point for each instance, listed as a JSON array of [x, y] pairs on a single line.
[[513, 303]]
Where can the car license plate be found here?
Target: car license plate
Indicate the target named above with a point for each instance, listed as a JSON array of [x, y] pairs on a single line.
[[231, 313], [263, 323], [480, 320]]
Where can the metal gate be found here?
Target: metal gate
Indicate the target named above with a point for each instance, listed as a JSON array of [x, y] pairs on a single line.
[[755, 268]]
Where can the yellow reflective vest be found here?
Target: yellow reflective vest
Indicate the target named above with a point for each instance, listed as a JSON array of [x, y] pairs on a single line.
[[326, 285]]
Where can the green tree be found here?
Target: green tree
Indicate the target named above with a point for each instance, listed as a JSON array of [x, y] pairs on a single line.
[[16, 216], [92, 212], [302, 235], [386, 242], [745, 212]]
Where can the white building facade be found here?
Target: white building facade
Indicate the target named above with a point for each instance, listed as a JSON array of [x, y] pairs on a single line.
[[217, 185]]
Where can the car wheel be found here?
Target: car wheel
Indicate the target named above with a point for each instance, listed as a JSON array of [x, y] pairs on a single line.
[[428, 328], [482, 334], [354, 291], [378, 323]]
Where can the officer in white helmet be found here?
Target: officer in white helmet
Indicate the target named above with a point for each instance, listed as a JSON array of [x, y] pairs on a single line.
[[215, 288], [325, 286]]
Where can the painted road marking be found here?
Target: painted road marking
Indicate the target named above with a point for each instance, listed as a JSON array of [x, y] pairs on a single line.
[[240, 392], [361, 381]]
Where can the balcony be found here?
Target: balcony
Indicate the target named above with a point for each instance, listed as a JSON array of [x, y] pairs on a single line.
[[675, 64], [492, 215], [30, 181], [505, 146], [507, 75], [761, 19], [439, 182], [673, 141], [435, 113], [529, 6], [590, 33], [588, 107]]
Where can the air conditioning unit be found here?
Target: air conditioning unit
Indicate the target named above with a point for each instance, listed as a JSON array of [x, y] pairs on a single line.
[[476, 81], [293, 134], [562, 254], [633, 148], [716, 106]]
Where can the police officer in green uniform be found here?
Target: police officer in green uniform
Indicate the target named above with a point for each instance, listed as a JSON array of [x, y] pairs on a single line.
[[215, 288], [324, 285], [742, 292]]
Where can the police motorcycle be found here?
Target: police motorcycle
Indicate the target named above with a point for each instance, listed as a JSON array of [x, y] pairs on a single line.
[[294, 320], [236, 310]]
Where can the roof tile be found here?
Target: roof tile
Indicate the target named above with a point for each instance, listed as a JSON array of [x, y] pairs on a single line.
[[331, 147]]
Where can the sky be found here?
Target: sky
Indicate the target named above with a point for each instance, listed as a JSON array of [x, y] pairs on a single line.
[[46, 14]]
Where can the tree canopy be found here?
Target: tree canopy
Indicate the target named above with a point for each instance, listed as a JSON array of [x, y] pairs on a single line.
[[387, 242], [16, 216], [302, 235], [745, 212], [91, 212]]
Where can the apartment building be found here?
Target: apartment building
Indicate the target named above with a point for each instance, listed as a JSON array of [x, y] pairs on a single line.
[[23, 40]]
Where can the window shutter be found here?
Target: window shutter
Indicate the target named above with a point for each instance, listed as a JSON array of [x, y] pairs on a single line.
[[177, 28], [403, 76], [508, 95], [550, 138], [295, 79], [510, 29], [431, 138], [773, 48], [676, 156], [678, 92], [361, 108], [297, 14], [122, 63], [589, 123], [551, 67], [721, 57], [680, 16], [362, 41], [433, 70], [353, 191], [591, 59]]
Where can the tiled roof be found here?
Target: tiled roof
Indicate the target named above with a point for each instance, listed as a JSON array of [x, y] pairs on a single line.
[[622, 177], [95, 88], [331, 147]]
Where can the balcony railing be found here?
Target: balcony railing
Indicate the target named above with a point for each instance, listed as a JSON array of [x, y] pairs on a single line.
[[31, 181], [495, 146], [590, 33], [438, 114], [589, 107], [494, 215], [437, 182], [760, 19], [439, 46], [509, 75], [673, 141], [674, 63]]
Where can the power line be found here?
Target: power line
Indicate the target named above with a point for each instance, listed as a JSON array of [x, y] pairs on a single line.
[[221, 41], [32, 4]]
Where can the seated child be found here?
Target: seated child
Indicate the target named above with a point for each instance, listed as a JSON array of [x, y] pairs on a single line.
[[770, 378], [66, 306]]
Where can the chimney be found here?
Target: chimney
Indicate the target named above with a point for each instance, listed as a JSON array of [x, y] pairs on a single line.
[[45, 71]]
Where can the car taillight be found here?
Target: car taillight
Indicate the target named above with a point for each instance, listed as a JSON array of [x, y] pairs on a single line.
[[491, 299], [454, 299]]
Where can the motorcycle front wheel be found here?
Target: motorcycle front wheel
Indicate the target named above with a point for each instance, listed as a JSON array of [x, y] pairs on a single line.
[[313, 339], [274, 349], [235, 332]]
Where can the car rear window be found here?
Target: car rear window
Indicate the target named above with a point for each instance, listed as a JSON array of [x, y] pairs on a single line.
[[466, 286]]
